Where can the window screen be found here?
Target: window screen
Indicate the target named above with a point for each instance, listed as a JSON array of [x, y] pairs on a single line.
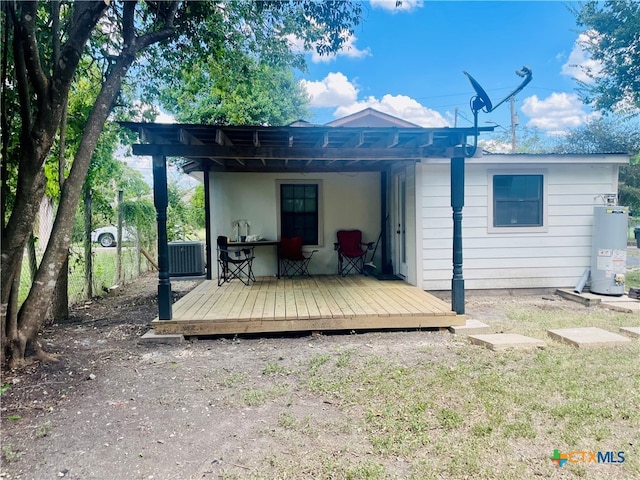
[[299, 212], [517, 200]]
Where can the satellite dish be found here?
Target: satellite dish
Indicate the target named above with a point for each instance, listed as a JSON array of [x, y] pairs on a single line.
[[481, 100]]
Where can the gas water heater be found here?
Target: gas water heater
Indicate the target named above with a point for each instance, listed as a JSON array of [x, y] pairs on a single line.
[[609, 249]]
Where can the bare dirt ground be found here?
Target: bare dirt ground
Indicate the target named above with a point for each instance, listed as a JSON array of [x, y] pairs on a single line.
[[210, 408]]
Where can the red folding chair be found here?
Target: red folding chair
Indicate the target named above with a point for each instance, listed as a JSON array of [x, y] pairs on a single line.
[[293, 261], [351, 255]]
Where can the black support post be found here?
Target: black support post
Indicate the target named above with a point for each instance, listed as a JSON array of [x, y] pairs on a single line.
[[383, 222], [161, 201], [457, 202], [207, 224]]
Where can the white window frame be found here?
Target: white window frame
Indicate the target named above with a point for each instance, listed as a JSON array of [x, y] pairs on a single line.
[[318, 183], [515, 228]]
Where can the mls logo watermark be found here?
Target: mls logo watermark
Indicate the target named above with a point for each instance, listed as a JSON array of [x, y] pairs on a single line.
[[582, 456]]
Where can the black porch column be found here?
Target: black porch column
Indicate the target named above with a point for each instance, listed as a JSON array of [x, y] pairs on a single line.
[[383, 222], [457, 202], [161, 201], [207, 224]]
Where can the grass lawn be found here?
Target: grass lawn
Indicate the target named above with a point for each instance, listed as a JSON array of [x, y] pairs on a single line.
[[451, 410], [367, 406]]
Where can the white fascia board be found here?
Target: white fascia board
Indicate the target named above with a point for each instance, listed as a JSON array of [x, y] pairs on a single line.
[[528, 159]]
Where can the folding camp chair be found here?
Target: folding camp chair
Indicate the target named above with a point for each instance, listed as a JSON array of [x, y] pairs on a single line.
[[350, 252], [234, 263], [293, 261]]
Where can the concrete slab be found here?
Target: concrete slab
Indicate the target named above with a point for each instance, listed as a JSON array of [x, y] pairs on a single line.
[[503, 341], [471, 327], [585, 298], [152, 337], [588, 337], [631, 331], [622, 304]]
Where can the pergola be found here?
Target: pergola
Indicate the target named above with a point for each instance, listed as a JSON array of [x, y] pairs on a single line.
[[299, 147]]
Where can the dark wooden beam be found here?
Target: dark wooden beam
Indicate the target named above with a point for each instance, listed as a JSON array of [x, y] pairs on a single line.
[[356, 141], [222, 139], [188, 139], [291, 153]]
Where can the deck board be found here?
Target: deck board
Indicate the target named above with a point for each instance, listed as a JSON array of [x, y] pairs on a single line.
[[301, 304]]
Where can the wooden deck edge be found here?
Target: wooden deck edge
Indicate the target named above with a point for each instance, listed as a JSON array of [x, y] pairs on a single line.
[[228, 327]]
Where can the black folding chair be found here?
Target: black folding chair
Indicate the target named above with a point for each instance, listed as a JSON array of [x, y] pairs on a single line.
[[234, 263]]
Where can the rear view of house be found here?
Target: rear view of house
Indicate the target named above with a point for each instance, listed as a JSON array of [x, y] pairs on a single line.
[[526, 222]]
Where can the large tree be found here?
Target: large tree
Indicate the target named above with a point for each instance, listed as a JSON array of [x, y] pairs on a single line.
[[237, 90], [613, 31], [47, 41]]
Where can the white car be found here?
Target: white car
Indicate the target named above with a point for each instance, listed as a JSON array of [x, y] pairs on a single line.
[[106, 236]]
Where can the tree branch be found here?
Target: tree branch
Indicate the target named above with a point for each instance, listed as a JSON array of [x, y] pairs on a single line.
[[166, 32], [31, 52], [84, 19], [128, 26], [55, 30], [22, 78]]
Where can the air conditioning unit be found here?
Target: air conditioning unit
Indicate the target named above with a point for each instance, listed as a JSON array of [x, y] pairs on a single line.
[[186, 258]]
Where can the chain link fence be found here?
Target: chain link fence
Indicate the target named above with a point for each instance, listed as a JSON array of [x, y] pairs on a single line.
[[104, 260]]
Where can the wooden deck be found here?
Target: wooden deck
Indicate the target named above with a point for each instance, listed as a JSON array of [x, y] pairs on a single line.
[[319, 303]]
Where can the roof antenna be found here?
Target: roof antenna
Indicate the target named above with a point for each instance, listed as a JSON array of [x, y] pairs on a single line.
[[481, 101]]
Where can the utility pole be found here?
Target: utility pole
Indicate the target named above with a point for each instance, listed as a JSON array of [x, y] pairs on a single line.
[[514, 124]]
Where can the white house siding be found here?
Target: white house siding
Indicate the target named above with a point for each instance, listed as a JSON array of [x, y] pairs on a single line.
[[349, 201], [556, 257]]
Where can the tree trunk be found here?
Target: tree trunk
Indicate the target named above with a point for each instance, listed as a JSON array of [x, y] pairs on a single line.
[[59, 309], [33, 312], [88, 258], [4, 121], [28, 196], [41, 100], [11, 338]]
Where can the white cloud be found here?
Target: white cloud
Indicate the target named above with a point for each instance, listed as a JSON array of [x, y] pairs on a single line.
[[399, 106], [579, 61], [165, 117], [494, 146], [556, 113], [349, 49], [391, 5], [144, 112], [335, 89]]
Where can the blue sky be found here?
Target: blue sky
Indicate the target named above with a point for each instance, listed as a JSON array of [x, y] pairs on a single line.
[[408, 62]]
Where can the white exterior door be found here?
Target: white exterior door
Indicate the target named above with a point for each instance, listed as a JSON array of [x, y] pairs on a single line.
[[400, 226]]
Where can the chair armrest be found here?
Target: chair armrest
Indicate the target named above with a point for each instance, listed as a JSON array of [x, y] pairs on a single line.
[[336, 246], [237, 250], [369, 245]]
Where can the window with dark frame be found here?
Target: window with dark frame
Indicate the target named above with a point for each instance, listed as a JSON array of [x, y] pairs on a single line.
[[299, 211], [518, 200]]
